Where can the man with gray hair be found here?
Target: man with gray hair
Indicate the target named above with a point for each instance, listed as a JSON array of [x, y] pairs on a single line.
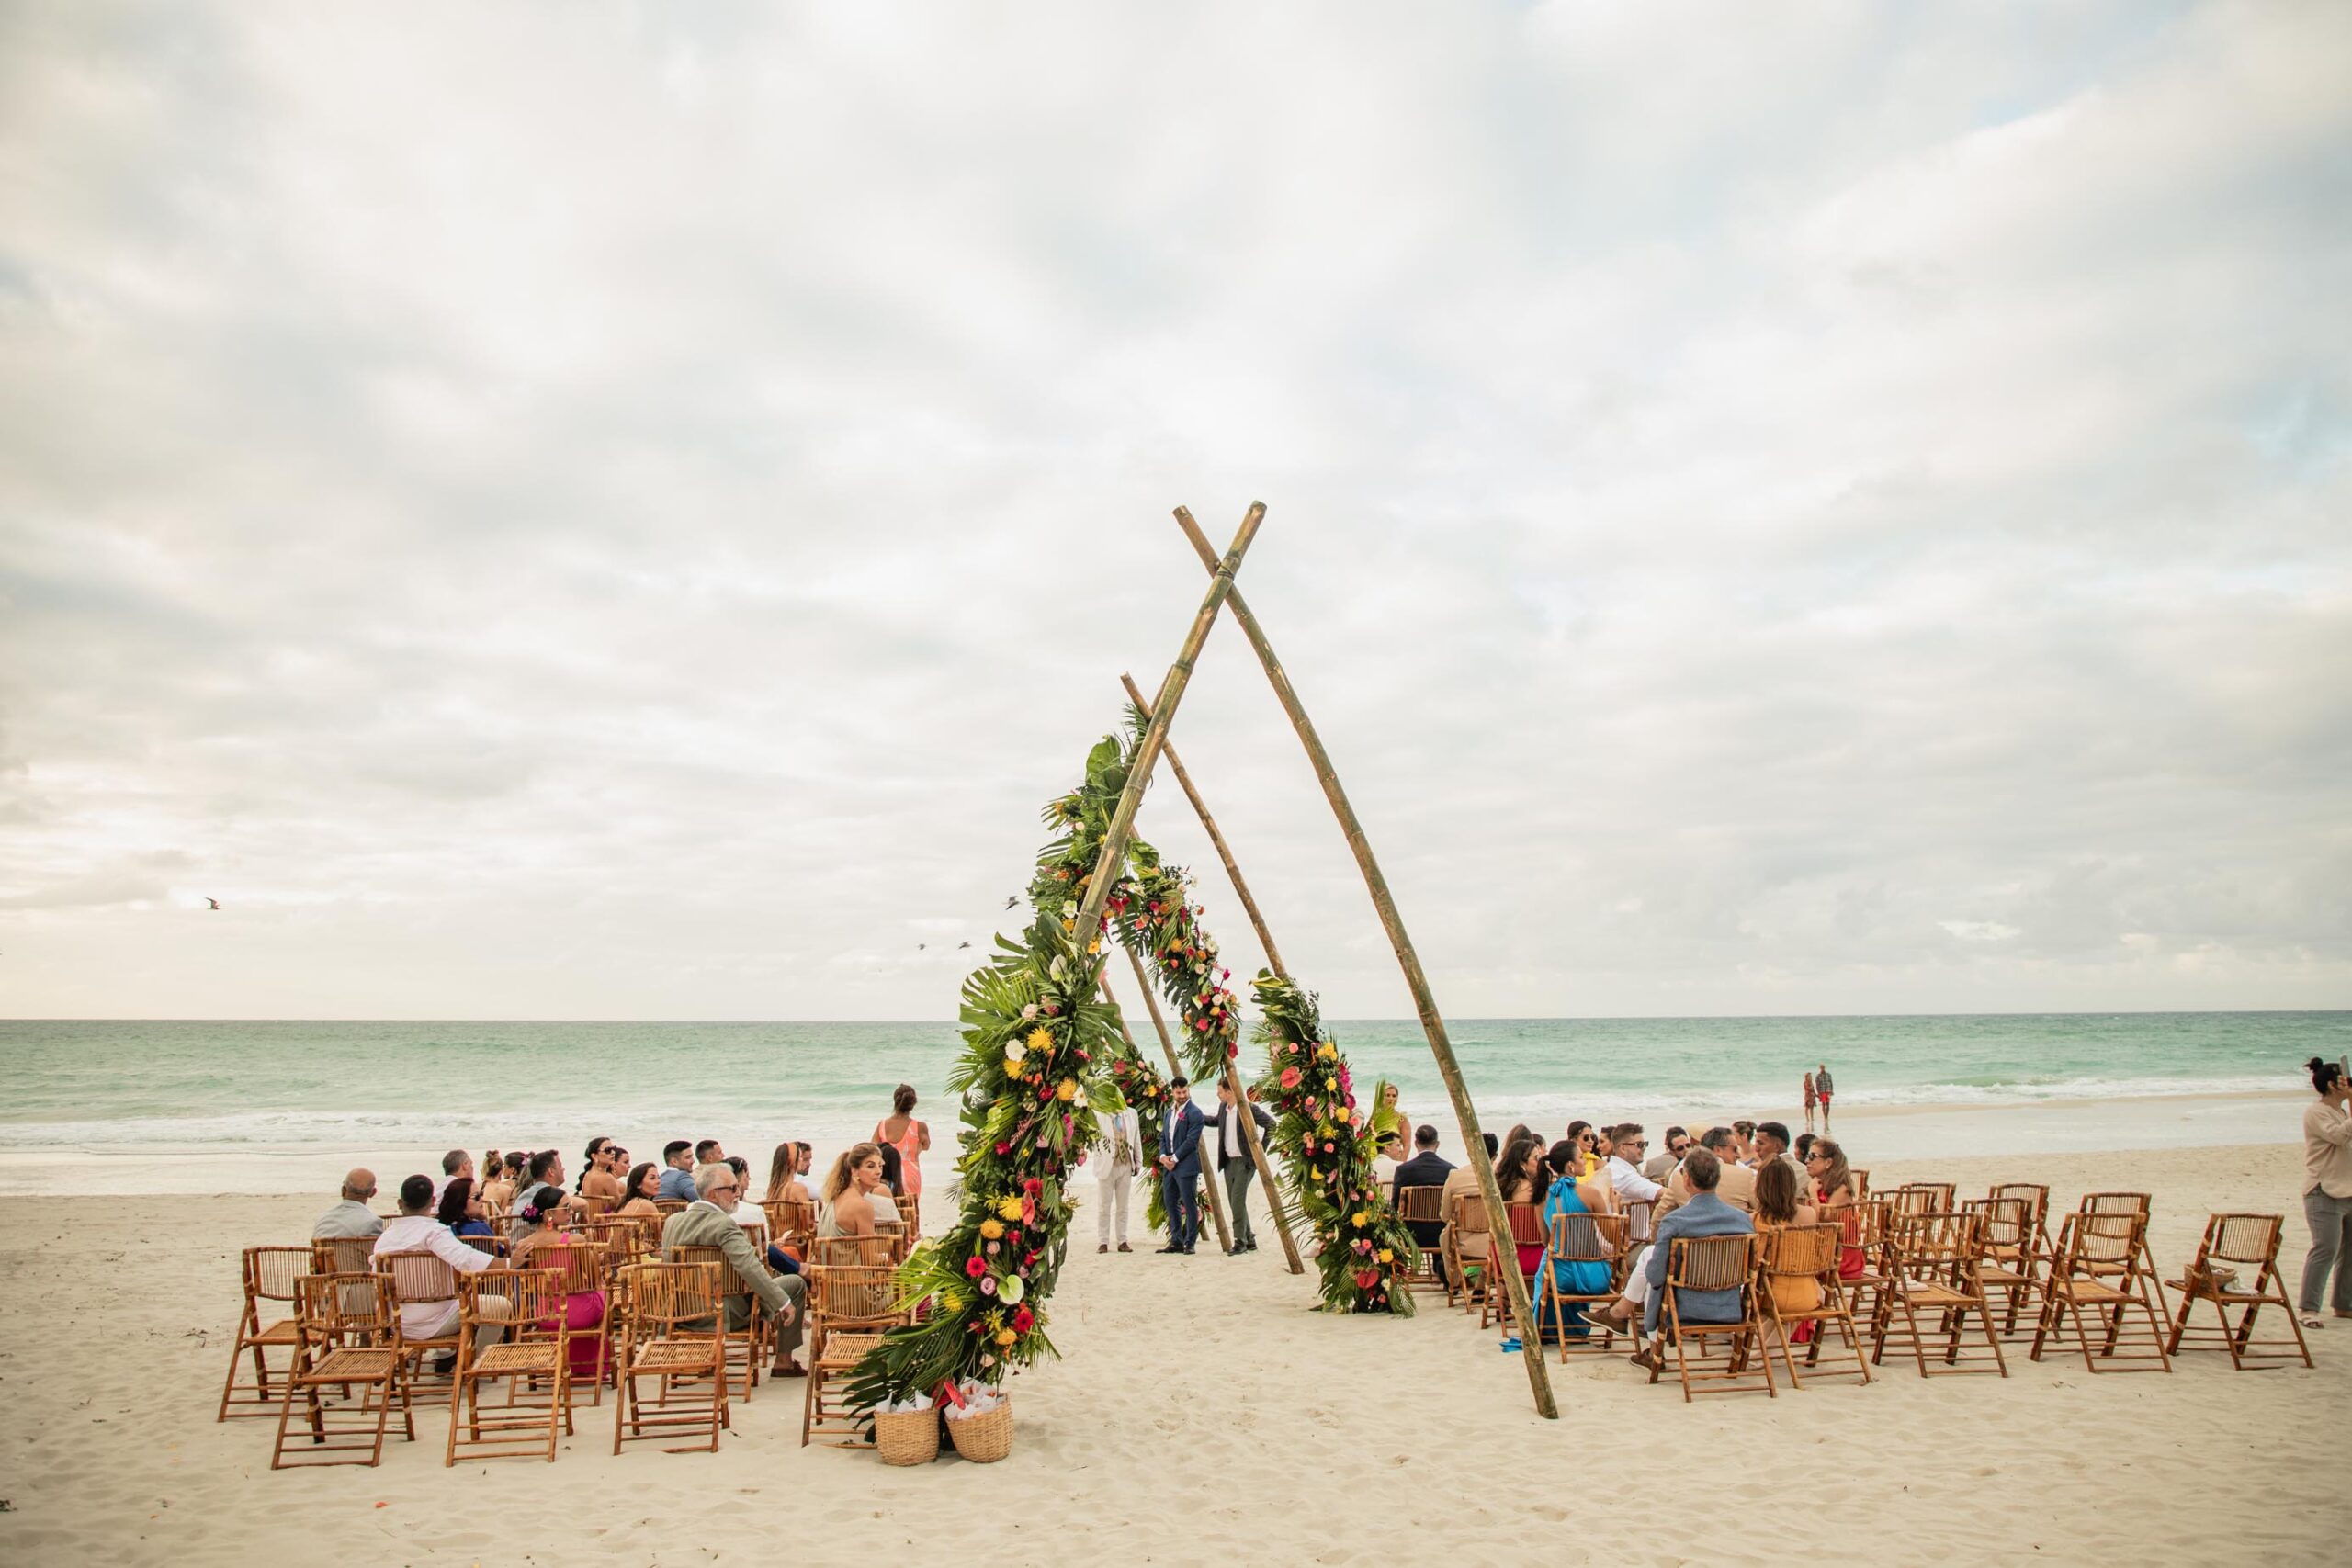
[[352, 1218], [709, 1221]]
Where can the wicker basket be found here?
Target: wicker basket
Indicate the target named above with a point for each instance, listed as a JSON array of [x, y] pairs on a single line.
[[907, 1437], [986, 1437]]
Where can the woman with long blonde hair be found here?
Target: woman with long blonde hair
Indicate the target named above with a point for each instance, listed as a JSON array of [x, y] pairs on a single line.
[[856, 1201]]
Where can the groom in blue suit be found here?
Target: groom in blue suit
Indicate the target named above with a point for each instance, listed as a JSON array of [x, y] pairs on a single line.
[[1180, 1166]]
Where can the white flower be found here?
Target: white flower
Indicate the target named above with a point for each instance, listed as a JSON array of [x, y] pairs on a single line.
[[1029, 1011], [1011, 1290], [1069, 908], [1012, 1055]]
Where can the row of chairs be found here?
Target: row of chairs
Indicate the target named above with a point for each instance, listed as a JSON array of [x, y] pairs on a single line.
[[1947, 1282]]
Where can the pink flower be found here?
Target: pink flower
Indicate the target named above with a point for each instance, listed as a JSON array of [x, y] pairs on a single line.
[[1291, 1076]]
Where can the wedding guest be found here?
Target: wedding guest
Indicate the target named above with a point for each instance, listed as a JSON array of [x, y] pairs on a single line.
[[894, 1175], [1573, 1195], [1524, 1176], [419, 1230], [1705, 1215], [1833, 1197], [856, 1201], [1821, 1086], [707, 1152], [2327, 1190], [642, 1187], [1118, 1154], [1426, 1168], [583, 1310], [1745, 1144], [783, 1169], [1470, 1247], [709, 1221], [506, 1176], [1661, 1164], [1392, 1142], [1234, 1166], [1180, 1166], [1633, 1190], [678, 1171], [911, 1138], [1771, 1143], [460, 1209], [601, 1180], [455, 1163], [1779, 1206], [1734, 1183], [352, 1217], [1810, 1100], [1586, 1141]]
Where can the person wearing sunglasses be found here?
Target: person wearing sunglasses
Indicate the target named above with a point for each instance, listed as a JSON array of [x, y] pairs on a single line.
[[709, 1221]]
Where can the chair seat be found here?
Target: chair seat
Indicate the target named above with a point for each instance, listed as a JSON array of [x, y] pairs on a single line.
[[2081, 1291], [353, 1366], [675, 1354], [281, 1333], [533, 1356], [1937, 1296], [2227, 1298], [1997, 1279]]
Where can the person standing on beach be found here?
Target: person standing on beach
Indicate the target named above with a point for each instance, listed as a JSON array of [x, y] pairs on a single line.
[[1234, 1165], [1821, 1086], [1180, 1166], [900, 1131], [2327, 1197], [1810, 1102], [1120, 1148]]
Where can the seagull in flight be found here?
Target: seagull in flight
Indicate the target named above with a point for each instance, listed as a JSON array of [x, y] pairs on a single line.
[[1009, 903], [919, 947], [215, 903], [962, 945]]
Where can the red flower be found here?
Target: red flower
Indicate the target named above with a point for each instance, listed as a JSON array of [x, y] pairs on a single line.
[[1232, 1051], [1368, 1279], [974, 1268], [1023, 1318]]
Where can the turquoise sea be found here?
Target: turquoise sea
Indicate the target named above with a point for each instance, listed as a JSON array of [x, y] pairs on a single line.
[[213, 1097]]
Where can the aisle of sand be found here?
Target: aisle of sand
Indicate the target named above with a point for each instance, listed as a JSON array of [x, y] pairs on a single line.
[[1200, 1415]]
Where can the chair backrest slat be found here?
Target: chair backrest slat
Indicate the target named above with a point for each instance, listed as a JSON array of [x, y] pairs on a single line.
[[1711, 1262]]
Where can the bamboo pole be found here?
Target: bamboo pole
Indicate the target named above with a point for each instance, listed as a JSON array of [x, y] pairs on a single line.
[[1232, 1075], [1466, 1114], [1172, 692], [1176, 1070]]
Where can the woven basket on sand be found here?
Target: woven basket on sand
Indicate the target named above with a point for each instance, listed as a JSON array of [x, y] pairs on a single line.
[[907, 1437], [986, 1437]]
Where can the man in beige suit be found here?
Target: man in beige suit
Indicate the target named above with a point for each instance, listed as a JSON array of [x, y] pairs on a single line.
[[1737, 1186], [709, 1221]]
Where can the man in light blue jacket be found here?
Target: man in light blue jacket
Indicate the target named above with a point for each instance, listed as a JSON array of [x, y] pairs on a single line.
[[1704, 1215]]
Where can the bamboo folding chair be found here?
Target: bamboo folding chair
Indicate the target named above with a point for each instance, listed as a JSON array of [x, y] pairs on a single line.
[[1425, 1206], [909, 1213], [1527, 1229], [850, 1304], [1873, 1218], [588, 1266], [1861, 1183], [344, 1255], [1810, 1252], [534, 1360], [421, 1279], [1923, 1198], [1935, 1265], [1465, 1250], [2142, 1262], [269, 1273], [2245, 1240], [1714, 1263], [746, 1345], [345, 1340], [2096, 1273], [1578, 1239], [665, 1207], [593, 1206], [2009, 1259], [2037, 1198], [495, 1246], [672, 1335]]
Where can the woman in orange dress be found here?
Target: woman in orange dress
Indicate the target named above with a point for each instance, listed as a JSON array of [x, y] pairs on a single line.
[[910, 1137]]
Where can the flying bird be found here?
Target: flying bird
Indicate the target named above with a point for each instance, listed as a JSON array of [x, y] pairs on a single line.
[[918, 946], [1009, 903], [962, 945], [213, 902]]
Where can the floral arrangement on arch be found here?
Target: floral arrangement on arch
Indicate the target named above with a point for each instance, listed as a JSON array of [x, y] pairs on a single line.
[[1329, 1142]]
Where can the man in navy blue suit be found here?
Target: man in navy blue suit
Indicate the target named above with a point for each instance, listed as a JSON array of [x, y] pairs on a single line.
[[1180, 1166]]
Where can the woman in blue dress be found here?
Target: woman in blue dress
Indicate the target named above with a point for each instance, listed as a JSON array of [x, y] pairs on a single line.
[[1573, 1195]]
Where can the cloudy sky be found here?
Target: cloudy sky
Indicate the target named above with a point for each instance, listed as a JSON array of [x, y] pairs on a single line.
[[627, 511]]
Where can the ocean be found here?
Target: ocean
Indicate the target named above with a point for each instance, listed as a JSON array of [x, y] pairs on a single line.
[[266, 1106]]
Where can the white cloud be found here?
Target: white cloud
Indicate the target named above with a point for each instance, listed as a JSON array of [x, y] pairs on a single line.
[[560, 511]]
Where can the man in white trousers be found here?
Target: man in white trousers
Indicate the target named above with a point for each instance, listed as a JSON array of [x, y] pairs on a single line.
[[1118, 1156]]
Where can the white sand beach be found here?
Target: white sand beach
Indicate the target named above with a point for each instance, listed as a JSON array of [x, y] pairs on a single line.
[[1200, 1415]]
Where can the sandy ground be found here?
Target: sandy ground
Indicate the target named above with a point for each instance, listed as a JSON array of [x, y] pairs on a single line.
[[1200, 1415]]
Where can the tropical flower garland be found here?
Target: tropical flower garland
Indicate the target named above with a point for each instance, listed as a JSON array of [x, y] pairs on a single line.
[[1159, 924], [1329, 1145]]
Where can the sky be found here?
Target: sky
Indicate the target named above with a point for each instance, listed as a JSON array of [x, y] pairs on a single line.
[[630, 511]]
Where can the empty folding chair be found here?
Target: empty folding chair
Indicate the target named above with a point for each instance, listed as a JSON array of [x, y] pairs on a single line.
[[2095, 1279], [671, 1338], [269, 1273], [347, 1371], [1934, 1264], [2232, 1244]]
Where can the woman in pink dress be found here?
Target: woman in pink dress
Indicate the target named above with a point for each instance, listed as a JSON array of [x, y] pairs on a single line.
[[583, 1310], [909, 1136]]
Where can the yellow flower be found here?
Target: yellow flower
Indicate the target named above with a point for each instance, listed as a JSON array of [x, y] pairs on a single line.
[[1066, 1091], [991, 1229], [1006, 1336], [1328, 1051], [1343, 1116], [1094, 946], [1387, 1255], [1360, 1219], [1041, 1039], [1069, 925], [1010, 1208]]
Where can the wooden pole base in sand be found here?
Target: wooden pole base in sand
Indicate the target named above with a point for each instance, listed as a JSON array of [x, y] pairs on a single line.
[[1466, 1114], [1250, 1138]]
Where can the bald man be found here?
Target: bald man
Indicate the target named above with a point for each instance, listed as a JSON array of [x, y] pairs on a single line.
[[352, 1217]]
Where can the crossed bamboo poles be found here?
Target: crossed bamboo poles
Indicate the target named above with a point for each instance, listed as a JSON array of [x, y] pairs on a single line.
[[1159, 715]]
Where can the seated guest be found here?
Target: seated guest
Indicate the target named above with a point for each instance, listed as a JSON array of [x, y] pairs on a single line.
[[583, 1310], [455, 1163], [784, 1172], [1571, 1194], [1471, 1246], [894, 1171], [1585, 1140], [1833, 1196], [1626, 1143], [1805, 1148], [709, 1221], [1426, 1168], [533, 1215], [707, 1152], [1705, 1215], [546, 1169], [639, 1191], [1744, 1143], [1772, 1143], [1524, 1177], [1735, 1187], [1661, 1164], [418, 1229], [1776, 1208], [461, 1211], [499, 1186], [1513, 1137], [678, 1173], [601, 1178], [352, 1217], [856, 1201]]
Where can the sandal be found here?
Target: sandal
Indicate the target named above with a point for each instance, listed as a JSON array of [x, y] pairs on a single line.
[[2312, 1320]]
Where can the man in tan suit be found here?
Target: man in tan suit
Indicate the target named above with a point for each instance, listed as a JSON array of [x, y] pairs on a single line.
[[709, 1221], [1737, 1186]]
